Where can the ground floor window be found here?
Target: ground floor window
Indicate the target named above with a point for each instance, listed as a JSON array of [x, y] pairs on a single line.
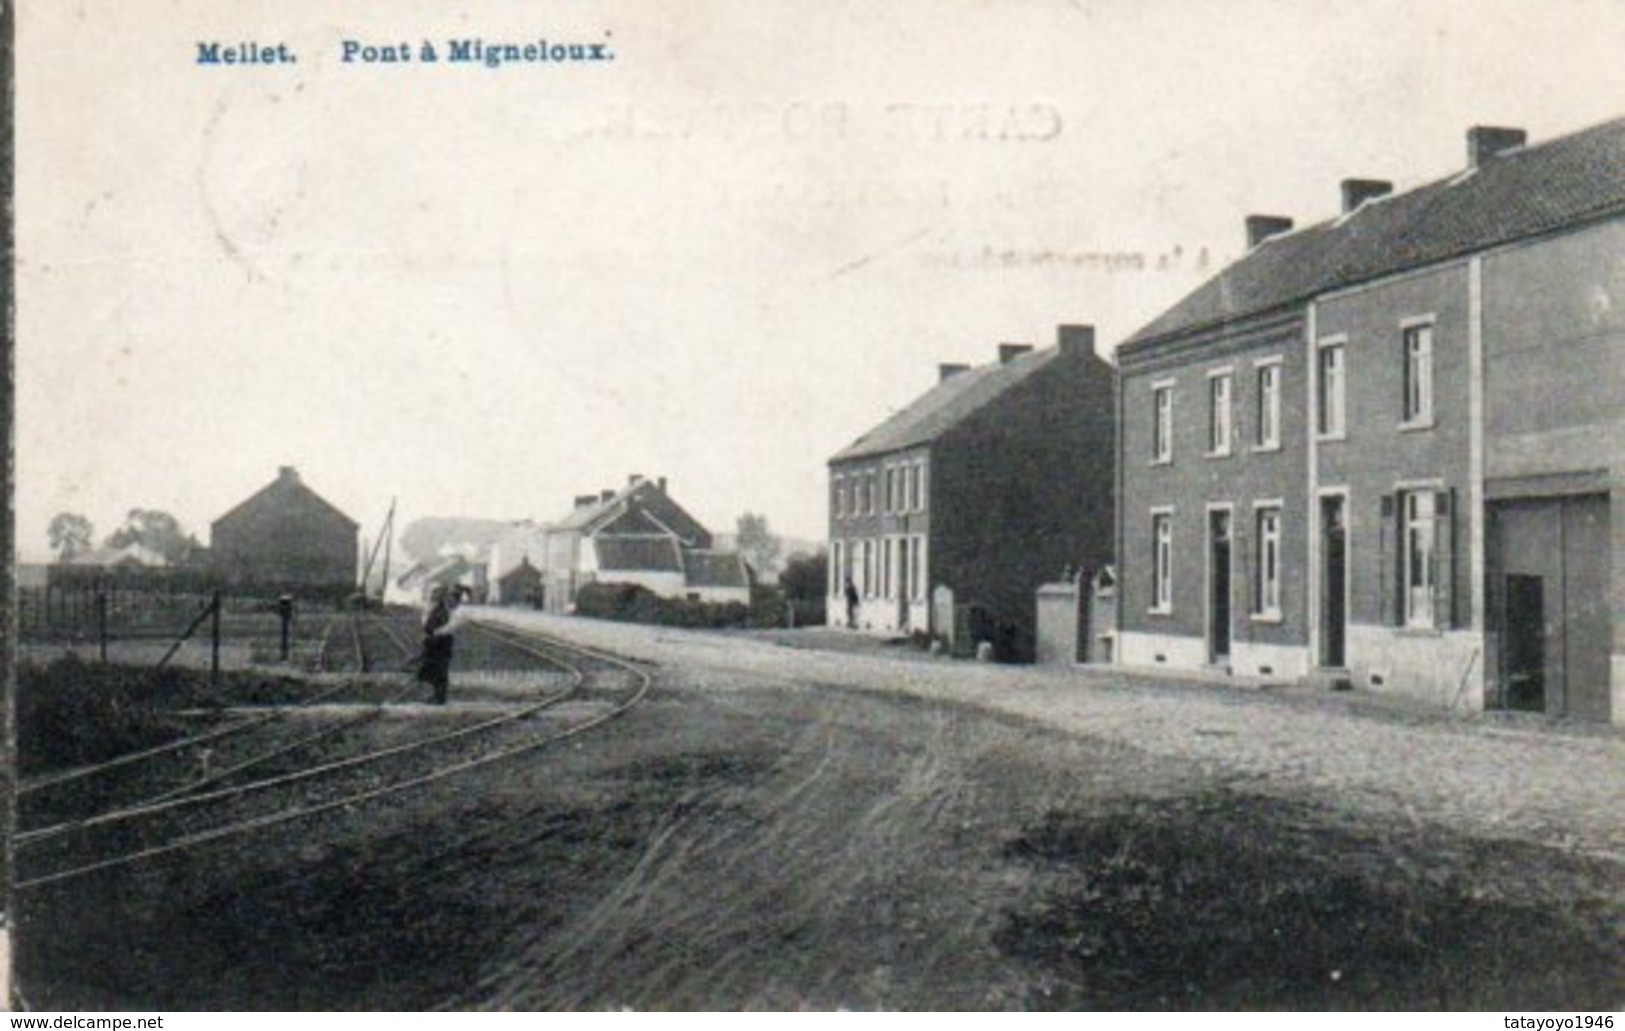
[[1418, 562], [916, 569], [1162, 584], [1267, 574]]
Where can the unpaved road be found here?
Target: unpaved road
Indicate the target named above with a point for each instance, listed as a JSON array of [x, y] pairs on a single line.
[[778, 828]]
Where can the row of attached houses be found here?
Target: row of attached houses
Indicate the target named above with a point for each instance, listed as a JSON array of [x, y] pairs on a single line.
[[1385, 450]]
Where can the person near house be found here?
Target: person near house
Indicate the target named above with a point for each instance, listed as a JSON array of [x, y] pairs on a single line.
[[439, 639], [851, 604]]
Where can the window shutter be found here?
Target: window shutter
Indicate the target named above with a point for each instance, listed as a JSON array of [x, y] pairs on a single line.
[[1388, 559], [1444, 550]]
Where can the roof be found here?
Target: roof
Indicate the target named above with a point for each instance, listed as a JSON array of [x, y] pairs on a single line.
[[1517, 194], [946, 405], [286, 488], [714, 569], [623, 554]]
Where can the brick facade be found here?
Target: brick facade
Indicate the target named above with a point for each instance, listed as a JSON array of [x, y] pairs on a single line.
[[286, 537], [1015, 485]]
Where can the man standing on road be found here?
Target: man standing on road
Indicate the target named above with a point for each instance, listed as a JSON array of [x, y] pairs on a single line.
[[851, 604], [439, 626]]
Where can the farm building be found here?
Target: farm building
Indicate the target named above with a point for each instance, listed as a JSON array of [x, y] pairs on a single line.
[[637, 535], [1389, 448], [991, 483], [286, 538]]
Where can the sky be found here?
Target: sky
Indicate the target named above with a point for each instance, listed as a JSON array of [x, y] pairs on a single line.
[[719, 256]]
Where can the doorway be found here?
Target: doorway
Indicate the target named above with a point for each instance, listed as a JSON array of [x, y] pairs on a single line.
[[1526, 643], [1218, 565], [1333, 583]]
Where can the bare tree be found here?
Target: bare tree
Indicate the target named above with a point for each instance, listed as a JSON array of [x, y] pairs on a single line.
[[758, 544]]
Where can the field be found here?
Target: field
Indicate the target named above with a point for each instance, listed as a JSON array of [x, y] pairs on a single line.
[[779, 829]]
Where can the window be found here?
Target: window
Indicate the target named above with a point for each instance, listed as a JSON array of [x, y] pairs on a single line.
[[1418, 343], [1267, 433], [840, 496], [885, 568], [869, 494], [1267, 574], [835, 568], [1162, 595], [916, 587], [868, 569], [1162, 432], [1329, 407], [1419, 559], [1218, 414], [923, 487], [914, 487]]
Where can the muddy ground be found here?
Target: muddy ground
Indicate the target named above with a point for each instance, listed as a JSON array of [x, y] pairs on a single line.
[[806, 846]]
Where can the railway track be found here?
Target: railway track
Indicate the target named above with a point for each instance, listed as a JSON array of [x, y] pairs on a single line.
[[209, 756], [225, 808]]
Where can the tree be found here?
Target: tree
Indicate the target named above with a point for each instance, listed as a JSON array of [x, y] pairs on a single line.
[[758, 544], [70, 535], [155, 530], [805, 577]]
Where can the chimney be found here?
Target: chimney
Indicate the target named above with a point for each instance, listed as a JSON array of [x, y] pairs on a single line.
[[287, 474], [586, 500], [1487, 141], [948, 370], [634, 479], [1358, 191], [1010, 352], [1075, 341], [605, 495], [1262, 227], [661, 483]]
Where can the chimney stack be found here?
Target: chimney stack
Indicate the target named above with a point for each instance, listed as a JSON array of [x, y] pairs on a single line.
[[634, 479], [661, 483], [1010, 352], [1358, 191], [605, 495], [1487, 141], [1075, 341], [586, 500], [287, 474], [948, 370], [1262, 227]]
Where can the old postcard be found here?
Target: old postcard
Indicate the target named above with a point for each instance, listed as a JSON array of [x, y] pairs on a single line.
[[1058, 504]]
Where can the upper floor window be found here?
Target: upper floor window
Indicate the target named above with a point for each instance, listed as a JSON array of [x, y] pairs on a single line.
[[1218, 413], [1162, 430], [839, 502], [1418, 346], [1267, 427], [1330, 411]]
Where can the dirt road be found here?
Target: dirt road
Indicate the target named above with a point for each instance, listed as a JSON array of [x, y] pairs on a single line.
[[783, 829]]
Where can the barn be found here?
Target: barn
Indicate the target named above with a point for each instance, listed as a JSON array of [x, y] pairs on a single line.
[[286, 538]]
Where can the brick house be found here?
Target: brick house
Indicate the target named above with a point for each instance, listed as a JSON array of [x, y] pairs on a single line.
[[1384, 448], [286, 537], [992, 482]]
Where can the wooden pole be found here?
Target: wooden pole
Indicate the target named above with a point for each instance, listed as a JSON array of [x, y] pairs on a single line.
[[101, 620], [214, 641]]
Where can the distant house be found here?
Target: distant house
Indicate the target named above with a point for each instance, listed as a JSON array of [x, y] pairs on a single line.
[[521, 585], [513, 560], [993, 482], [286, 537], [453, 570], [635, 535]]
